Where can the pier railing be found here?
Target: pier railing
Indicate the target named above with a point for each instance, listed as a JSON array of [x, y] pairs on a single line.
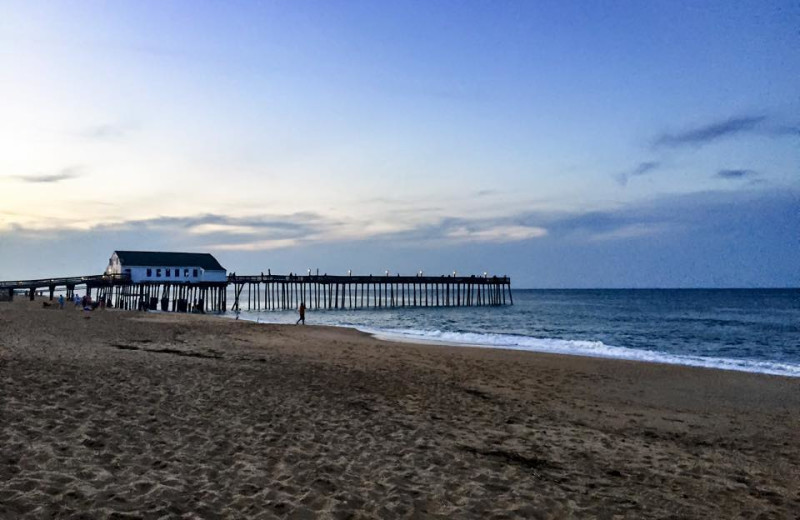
[[64, 281]]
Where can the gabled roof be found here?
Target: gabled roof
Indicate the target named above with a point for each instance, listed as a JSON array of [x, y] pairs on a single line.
[[145, 258]]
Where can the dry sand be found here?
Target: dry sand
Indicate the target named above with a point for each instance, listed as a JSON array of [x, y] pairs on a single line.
[[129, 415]]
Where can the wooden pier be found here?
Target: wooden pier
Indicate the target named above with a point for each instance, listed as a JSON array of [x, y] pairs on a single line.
[[118, 291], [278, 292], [69, 283]]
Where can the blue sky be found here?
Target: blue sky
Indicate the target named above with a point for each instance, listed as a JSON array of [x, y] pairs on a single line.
[[591, 144]]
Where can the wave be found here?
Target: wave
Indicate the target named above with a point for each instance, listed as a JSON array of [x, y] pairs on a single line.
[[547, 345], [581, 348]]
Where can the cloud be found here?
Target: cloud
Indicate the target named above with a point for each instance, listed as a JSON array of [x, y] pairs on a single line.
[[716, 238], [108, 131], [270, 232], [670, 216], [629, 231], [62, 175], [495, 234], [645, 167], [642, 169], [734, 174], [211, 228], [710, 132], [259, 245], [624, 223], [631, 223]]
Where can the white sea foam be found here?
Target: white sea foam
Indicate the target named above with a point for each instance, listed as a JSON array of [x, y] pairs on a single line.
[[581, 348]]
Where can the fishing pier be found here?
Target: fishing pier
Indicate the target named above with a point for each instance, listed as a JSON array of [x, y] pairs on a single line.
[[196, 282], [276, 292]]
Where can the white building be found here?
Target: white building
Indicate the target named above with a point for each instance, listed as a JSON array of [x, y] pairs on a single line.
[[146, 266]]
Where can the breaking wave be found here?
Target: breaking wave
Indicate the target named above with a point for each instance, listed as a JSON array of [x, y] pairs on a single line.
[[581, 348]]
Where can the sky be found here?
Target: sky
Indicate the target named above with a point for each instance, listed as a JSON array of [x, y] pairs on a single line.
[[565, 144]]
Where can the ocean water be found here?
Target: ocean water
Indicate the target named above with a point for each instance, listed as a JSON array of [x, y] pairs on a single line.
[[754, 330]]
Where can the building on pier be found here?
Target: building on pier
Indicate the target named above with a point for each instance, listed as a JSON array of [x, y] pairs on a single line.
[[166, 268], [163, 280]]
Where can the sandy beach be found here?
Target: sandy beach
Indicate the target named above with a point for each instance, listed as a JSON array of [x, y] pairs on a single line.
[[117, 414]]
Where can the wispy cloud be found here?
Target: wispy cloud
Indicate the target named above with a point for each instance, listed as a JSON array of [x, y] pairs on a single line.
[[108, 131], [495, 234], [645, 221], [258, 245], [269, 232], [645, 167], [642, 169], [64, 174], [734, 174], [711, 132], [629, 231], [677, 240], [625, 223]]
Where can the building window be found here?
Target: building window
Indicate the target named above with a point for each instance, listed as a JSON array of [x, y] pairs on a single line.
[[186, 273], [194, 273], [149, 272], [167, 273], [177, 273], [158, 273]]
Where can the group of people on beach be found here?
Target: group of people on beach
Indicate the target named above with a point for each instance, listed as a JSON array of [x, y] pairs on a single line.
[[84, 302]]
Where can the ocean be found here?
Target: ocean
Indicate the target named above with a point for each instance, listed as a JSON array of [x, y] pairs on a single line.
[[752, 330]]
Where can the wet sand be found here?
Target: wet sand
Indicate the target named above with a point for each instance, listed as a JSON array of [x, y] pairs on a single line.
[[133, 415]]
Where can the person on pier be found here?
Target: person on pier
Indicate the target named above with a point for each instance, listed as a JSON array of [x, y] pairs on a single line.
[[302, 311]]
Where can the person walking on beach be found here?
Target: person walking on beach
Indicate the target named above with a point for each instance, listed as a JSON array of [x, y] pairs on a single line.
[[302, 311], [60, 301]]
